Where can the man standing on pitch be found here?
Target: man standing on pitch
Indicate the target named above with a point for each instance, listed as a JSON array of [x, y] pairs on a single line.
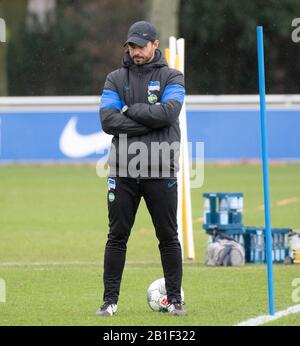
[[140, 107]]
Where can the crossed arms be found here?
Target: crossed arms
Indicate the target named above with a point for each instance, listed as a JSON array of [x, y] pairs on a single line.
[[140, 118]]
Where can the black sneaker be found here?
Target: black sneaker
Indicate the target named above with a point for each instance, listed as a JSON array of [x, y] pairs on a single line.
[[107, 310], [176, 309]]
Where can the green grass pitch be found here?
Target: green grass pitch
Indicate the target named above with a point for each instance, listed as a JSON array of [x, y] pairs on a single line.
[[53, 228]]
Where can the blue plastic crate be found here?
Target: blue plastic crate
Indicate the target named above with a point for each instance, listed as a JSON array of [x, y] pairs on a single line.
[[255, 244], [222, 209]]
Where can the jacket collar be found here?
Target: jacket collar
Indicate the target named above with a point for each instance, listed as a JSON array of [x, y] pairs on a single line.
[[157, 62]]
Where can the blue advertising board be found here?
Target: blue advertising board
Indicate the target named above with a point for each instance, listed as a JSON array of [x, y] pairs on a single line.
[[67, 135]]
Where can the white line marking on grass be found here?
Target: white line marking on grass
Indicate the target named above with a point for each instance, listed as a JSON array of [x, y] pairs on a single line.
[[46, 264], [70, 263], [268, 318]]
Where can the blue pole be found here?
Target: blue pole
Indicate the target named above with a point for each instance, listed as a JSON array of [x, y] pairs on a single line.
[[262, 93]]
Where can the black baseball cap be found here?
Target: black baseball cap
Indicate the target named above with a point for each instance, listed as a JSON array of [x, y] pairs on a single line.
[[140, 33]]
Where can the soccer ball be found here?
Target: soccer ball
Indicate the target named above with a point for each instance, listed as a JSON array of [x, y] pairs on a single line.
[[157, 295]]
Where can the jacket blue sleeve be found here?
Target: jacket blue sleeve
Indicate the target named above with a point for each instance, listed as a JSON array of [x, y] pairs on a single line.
[[113, 121], [165, 113]]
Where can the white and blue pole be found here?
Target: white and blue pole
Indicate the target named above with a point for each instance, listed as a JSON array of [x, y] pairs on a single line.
[[262, 93]]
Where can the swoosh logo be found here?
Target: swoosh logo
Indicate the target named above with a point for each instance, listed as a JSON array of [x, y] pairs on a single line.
[[75, 145]]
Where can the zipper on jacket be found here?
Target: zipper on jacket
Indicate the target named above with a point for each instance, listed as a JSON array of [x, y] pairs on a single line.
[[141, 88]]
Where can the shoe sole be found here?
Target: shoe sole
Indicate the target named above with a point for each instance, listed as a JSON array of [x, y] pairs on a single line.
[[104, 315], [177, 313]]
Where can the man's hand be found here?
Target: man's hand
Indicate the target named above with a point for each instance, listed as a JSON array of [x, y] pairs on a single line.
[[156, 116], [124, 110]]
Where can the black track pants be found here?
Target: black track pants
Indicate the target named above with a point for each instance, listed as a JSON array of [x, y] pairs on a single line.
[[124, 196]]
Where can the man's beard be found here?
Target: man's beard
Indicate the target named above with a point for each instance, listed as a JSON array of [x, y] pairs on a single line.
[[143, 60], [139, 60]]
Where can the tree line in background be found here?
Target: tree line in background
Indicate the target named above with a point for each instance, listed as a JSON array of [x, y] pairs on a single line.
[[71, 49], [221, 45]]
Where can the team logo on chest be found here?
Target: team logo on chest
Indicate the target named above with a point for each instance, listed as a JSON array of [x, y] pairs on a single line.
[[153, 90]]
